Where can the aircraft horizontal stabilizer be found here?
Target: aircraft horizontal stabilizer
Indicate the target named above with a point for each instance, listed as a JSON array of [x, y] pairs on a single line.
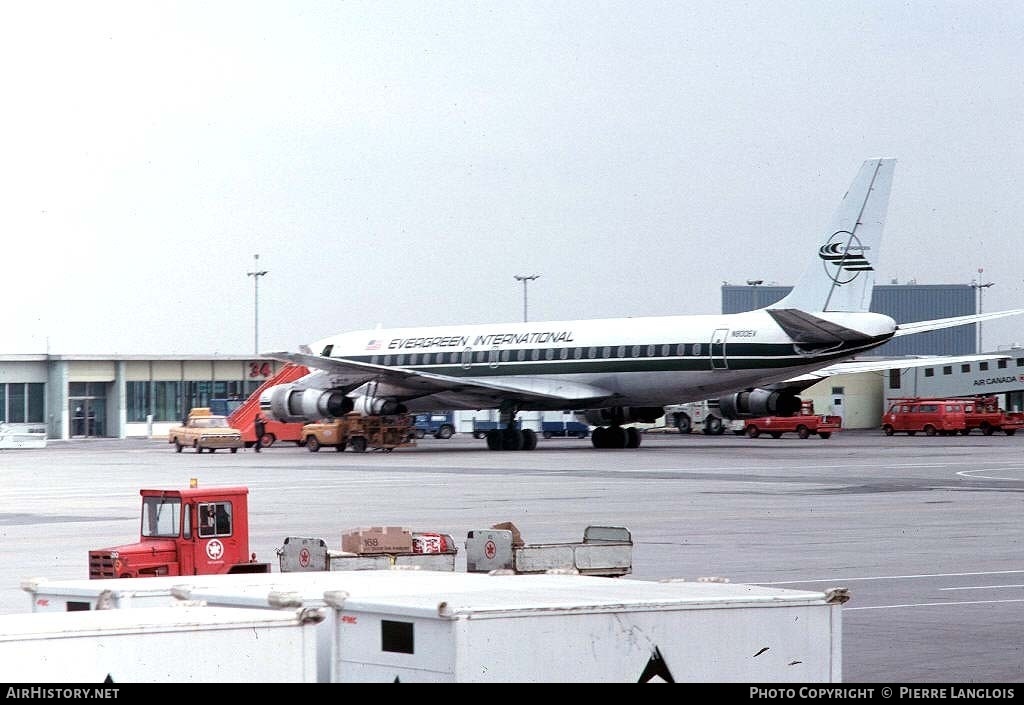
[[938, 323], [881, 364]]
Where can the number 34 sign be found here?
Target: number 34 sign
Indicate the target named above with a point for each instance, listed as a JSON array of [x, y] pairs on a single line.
[[260, 369]]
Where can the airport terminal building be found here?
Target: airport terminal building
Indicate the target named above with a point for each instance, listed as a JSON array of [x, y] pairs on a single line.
[[122, 396]]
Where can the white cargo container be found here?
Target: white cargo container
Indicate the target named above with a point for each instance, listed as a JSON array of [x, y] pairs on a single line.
[[307, 589], [464, 627], [160, 645], [116, 593], [570, 628]]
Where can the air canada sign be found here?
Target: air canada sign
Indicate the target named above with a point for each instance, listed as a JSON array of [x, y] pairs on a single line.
[[1009, 379]]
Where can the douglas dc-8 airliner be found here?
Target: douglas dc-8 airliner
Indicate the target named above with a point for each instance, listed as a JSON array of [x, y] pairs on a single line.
[[624, 370]]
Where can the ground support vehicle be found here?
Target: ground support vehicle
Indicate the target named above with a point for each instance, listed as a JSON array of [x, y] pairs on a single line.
[[360, 433], [205, 431], [193, 531], [206, 531], [570, 429], [427, 551], [605, 551], [930, 416], [439, 424], [805, 424], [243, 416], [704, 415], [982, 412]]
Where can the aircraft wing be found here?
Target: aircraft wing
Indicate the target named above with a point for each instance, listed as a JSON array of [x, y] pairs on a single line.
[[882, 364], [412, 383], [936, 324]]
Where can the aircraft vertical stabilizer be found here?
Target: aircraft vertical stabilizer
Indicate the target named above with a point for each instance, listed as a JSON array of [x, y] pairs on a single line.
[[841, 275]]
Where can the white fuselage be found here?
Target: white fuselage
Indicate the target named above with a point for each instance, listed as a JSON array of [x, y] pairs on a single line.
[[626, 361]]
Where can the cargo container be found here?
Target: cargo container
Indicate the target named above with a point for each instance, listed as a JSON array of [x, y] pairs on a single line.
[[412, 625], [181, 644]]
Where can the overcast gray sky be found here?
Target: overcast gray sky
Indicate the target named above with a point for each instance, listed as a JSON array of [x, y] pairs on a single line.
[[399, 162]]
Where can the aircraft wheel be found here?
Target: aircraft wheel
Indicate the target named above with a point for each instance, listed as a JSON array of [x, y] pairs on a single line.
[[529, 439], [617, 437], [597, 437], [633, 437], [493, 439], [511, 439]]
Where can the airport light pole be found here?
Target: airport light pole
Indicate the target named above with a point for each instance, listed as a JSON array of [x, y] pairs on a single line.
[[256, 274], [979, 290], [525, 278]]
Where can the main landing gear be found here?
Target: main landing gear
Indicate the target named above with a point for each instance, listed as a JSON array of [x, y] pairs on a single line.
[[511, 438], [616, 437]]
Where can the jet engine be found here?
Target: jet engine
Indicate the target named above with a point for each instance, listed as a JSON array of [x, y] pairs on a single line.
[[618, 415], [759, 402], [291, 404]]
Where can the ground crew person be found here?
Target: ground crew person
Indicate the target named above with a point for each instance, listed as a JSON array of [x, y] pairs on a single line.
[[260, 427]]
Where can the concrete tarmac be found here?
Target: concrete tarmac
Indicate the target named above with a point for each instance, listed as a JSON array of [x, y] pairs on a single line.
[[926, 533]]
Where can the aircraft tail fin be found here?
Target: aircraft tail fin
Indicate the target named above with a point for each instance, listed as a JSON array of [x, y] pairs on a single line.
[[842, 274]]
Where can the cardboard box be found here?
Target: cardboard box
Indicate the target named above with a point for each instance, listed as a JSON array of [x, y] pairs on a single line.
[[377, 539], [517, 538]]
